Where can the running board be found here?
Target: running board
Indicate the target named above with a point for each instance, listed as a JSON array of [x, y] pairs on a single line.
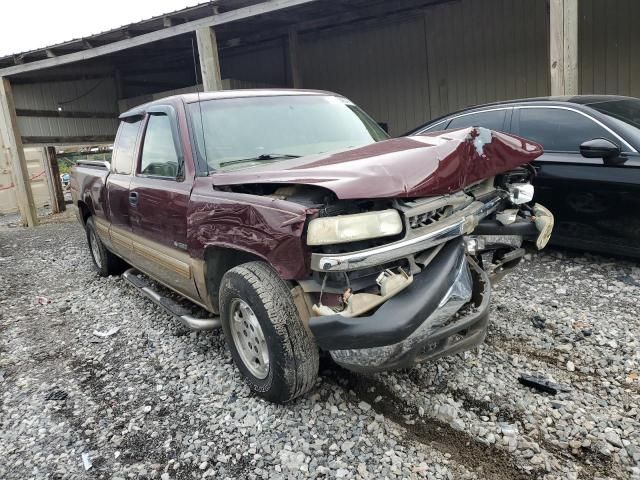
[[171, 306]]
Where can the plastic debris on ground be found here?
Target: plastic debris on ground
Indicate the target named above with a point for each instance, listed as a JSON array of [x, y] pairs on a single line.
[[542, 384], [106, 334], [538, 322], [56, 394], [86, 461]]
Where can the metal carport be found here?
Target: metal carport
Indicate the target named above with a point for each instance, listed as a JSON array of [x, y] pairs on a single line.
[[404, 61]]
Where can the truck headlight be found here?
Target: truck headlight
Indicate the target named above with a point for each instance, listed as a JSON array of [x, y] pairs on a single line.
[[350, 228]]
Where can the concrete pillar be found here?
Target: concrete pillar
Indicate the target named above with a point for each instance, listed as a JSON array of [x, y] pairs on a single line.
[[563, 54], [11, 145], [294, 65], [209, 61]]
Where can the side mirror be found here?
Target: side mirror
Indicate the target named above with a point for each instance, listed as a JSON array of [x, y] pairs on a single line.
[[600, 148]]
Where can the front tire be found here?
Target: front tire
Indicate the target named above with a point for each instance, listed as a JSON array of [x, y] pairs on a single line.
[[105, 262], [268, 341]]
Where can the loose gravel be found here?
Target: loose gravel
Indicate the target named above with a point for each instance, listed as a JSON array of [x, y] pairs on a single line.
[[153, 400]]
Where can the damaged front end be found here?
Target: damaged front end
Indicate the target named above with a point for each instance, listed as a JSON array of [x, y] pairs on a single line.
[[418, 286], [445, 312]]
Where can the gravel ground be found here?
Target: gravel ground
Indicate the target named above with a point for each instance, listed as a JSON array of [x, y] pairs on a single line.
[[156, 401]]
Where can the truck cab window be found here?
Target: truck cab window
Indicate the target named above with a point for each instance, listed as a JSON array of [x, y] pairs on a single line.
[[124, 148], [159, 156]]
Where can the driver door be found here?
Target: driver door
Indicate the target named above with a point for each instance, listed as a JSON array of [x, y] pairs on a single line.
[[158, 201], [118, 224]]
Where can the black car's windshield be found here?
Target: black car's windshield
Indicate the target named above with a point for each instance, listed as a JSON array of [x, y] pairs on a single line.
[[627, 110], [242, 132], [623, 116]]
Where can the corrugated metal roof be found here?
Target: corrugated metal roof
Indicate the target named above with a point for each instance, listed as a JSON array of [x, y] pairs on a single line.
[[151, 24]]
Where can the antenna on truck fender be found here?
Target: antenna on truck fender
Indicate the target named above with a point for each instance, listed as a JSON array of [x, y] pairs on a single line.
[[204, 141]]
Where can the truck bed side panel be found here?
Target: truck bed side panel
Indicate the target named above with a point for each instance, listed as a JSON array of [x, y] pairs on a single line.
[[88, 188]]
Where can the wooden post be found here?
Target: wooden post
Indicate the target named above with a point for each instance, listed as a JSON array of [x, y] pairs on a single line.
[[563, 46], [11, 143], [46, 165], [209, 61], [53, 180], [294, 65]]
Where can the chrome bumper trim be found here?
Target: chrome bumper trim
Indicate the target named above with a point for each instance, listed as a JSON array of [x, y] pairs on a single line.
[[458, 224]]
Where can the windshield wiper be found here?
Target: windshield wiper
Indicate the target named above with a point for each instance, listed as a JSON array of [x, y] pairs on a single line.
[[273, 156], [264, 156]]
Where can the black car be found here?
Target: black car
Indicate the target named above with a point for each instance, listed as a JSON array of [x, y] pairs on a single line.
[[589, 175]]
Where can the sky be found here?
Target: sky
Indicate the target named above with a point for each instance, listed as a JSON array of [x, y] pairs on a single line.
[[32, 24]]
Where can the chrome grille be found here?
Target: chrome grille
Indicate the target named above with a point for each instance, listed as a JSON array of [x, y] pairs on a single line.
[[428, 218]]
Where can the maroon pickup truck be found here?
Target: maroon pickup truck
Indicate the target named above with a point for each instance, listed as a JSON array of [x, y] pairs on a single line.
[[294, 220]]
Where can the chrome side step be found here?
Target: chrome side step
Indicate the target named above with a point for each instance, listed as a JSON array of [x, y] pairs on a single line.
[[171, 306]]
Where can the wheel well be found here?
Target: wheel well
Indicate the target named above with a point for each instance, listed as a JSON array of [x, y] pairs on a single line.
[[85, 211], [218, 261]]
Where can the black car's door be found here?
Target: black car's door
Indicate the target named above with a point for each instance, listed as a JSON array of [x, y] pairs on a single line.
[[595, 203]]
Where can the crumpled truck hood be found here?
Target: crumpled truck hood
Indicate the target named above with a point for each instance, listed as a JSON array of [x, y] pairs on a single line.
[[436, 163]]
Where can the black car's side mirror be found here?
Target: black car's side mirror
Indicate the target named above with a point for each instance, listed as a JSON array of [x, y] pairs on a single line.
[[602, 148]]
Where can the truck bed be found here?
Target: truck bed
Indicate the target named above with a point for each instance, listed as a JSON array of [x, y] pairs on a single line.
[[87, 184]]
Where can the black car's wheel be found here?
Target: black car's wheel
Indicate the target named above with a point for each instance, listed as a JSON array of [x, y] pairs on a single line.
[[268, 341], [106, 262]]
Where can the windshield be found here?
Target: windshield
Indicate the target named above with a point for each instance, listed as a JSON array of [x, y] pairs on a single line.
[[243, 132], [627, 110], [624, 115]]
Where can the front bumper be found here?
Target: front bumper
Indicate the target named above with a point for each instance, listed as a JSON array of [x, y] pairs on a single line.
[[418, 324]]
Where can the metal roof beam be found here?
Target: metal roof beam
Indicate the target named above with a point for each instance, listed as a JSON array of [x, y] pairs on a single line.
[[168, 32], [374, 11]]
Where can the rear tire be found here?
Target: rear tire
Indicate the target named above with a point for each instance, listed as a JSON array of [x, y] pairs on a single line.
[[257, 312], [105, 262]]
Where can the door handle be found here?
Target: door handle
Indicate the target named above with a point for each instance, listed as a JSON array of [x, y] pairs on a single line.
[[133, 199]]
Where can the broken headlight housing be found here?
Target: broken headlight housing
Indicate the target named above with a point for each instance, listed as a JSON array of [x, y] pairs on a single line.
[[351, 228], [520, 193]]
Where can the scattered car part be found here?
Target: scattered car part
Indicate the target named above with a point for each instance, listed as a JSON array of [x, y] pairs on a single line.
[[538, 322], [40, 300], [56, 394], [86, 461], [542, 384], [108, 333]]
